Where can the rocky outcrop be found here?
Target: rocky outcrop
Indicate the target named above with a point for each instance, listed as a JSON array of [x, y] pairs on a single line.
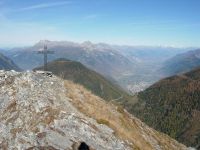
[[36, 113]]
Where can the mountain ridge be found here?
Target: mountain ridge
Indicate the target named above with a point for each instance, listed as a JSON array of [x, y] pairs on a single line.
[[78, 73], [182, 63], [172, 106], [7, 64]]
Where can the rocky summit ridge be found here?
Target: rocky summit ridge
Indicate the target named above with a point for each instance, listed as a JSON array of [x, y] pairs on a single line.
[[37, 113]]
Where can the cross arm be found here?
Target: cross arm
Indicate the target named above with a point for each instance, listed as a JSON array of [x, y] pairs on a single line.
[[45, 52]]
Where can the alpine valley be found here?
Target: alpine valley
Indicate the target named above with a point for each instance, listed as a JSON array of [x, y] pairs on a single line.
[[133, 67]]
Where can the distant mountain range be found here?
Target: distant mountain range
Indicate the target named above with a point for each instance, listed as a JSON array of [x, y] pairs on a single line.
[[101, 58], [7, 64], [93, 81], [133, 67], [172, 106], [181, 63]]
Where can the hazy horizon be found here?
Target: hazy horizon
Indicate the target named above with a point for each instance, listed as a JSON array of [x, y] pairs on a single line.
[[96, 43]]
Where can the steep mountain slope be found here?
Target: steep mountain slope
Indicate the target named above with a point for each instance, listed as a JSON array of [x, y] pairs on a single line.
[[40, 112], [7, 64], [93, 81], [181, 63], [173, 106]]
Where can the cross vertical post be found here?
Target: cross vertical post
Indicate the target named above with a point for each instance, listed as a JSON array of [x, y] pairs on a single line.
[[45, 52]]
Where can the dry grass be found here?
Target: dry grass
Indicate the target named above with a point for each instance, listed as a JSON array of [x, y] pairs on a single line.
[[102, 121], [124, 126]]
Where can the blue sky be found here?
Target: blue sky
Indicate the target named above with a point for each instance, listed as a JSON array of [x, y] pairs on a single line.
[[128, 22]]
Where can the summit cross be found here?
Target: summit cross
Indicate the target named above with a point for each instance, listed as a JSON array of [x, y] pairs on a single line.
[[45, 52]]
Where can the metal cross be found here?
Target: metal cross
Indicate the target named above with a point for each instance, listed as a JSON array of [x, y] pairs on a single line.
[[45, 52]]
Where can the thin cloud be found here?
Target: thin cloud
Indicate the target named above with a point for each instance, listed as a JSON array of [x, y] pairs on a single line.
[[167, 22], [45, 5], [91, 16], [94, 16]]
